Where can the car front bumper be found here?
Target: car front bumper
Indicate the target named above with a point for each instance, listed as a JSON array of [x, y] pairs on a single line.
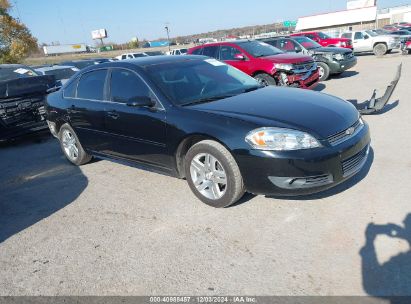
[[7, 133], [342, 65], [302, 172], [308, 80]]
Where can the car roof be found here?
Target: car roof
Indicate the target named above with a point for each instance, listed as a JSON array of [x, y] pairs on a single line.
[[54, 67], [147, 61]]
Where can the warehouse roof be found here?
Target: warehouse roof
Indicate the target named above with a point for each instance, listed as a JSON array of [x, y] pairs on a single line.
[[337, 18]]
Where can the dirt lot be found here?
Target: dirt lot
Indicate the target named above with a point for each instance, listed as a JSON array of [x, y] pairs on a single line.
[[108, 229]]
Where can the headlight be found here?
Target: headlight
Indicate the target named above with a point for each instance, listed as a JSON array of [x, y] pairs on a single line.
[[283, 66], [279, 139], [338, 56]]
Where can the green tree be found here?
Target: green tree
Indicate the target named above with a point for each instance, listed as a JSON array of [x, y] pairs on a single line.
[[16, 41]]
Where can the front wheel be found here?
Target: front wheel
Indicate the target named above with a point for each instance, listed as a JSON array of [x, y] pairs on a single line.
[[265, 79], [71, 147], [380, 49], [324, 71], [213, 174]]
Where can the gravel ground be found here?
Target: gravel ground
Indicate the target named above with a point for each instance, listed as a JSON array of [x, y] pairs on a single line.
[[109, 229]]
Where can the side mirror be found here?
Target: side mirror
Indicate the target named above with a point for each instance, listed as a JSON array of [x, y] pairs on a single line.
[[140, 101], [239, 57], [298, 50], [366, 37]]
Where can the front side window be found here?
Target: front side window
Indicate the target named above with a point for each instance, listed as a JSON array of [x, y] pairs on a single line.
[[91, 85], [70, 90], [358, 36], [323, 36], [259, 49], [126, 86], [228, 53], [211, 51]]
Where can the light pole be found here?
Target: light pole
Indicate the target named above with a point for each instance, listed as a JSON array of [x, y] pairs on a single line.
[[168, 37]]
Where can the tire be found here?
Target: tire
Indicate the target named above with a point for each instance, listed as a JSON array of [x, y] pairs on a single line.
[[71, 146], [221, 162], [380, 49], [324, 70], [265, 79]]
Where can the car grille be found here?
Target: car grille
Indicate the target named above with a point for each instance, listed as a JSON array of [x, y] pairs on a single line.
[[349, 55], [354, 164], [305, 66], [342, 136], [16, 111]]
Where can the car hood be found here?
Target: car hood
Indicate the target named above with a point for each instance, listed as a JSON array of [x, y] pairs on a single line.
[[333, 50], [288, 58], [320, 114]]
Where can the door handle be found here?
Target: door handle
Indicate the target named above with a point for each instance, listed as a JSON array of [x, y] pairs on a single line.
[[72, 110], [113, 114]]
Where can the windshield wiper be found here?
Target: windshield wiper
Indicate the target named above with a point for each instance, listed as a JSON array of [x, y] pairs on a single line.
[[253, 89], [208, 99]]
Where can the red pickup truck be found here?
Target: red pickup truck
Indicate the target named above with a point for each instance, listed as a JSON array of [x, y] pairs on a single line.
[[325, 40], [267, 64]]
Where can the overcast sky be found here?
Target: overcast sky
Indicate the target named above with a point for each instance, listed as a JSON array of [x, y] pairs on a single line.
[[71, 21]]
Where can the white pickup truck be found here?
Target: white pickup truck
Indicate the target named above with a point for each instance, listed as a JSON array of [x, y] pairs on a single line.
[[368, 41]]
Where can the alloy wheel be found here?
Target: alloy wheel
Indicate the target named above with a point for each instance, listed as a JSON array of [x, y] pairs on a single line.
[[70, 145], [208, 176]]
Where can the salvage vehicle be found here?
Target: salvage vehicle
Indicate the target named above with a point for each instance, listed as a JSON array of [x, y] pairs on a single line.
[[22, 100], [198, 118], [61, 73], [325, 40], [267, 64], [368, 41], [177, 52], [130, 56], [330, 60]]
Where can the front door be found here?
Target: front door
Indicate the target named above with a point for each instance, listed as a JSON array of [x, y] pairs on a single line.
[[136, 133], [228, 55], [361, 43]]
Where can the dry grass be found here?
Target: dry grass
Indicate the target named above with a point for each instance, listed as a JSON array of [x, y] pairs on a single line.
[[67, 57]]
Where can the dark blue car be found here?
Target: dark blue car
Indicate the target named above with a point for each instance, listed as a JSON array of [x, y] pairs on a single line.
[[197, 118]]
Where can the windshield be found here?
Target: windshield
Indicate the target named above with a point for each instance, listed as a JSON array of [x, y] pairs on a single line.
[[60, 74], [323, 36], [307, 43], [15, 72], [259, 49], [196, 81], [371, 33]]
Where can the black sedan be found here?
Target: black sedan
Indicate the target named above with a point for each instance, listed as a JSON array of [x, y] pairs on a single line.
[[197, 118], [330, 60]]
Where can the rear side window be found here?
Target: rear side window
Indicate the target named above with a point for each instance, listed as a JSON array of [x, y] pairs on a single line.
[[70, 90], [197, 51], [211, 51], [91, 85], [126, 85]]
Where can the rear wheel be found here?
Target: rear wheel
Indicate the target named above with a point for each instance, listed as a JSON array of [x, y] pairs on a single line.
[[71, 147], [213, 174], [265, 79], [380, 49], [324, 71]]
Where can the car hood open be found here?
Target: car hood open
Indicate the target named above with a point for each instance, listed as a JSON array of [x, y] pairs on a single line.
[[318, 113]]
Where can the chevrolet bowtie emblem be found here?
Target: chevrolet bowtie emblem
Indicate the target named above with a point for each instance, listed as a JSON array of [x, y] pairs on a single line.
[[350, 131]]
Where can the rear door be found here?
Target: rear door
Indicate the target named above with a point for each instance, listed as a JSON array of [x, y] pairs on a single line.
[[86, 98], [137, 133]]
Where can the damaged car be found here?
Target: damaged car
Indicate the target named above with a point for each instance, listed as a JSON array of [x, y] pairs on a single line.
[[330, 60], [22, 100], [267, 64], [197, 118]]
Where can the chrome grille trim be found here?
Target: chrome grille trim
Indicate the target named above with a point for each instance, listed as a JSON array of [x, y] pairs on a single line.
[[352, 165], [342, 136]]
